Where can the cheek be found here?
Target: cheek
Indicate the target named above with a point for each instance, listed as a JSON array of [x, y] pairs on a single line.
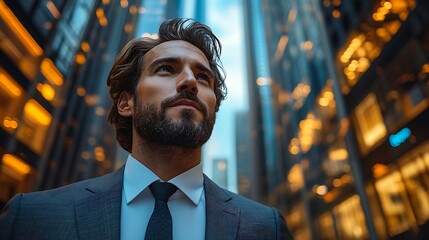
[[152, 91], [209, 98]]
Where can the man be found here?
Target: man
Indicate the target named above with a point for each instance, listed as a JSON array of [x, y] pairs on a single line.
[[165, 94]]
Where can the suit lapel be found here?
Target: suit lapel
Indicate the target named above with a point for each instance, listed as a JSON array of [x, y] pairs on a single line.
[[222, 219], [98, 216]]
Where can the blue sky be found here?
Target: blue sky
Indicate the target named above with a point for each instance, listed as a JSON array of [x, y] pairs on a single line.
[[225, 17]]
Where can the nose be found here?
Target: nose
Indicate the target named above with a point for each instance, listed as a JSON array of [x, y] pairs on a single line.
[[187, 82]]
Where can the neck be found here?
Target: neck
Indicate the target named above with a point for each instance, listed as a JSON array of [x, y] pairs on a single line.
[[165, 161]]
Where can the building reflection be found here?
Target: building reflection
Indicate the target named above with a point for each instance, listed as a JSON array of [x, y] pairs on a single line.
[[342, 145], [54, 60]]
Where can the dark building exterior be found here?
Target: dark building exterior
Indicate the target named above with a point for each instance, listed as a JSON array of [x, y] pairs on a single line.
[[54, 61], [339, 132], [55, 56]]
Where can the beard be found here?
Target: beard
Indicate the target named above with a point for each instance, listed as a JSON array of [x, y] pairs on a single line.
[[152, 124]]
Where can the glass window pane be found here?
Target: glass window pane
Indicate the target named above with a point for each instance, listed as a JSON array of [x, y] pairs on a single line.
[[11, 98], [34, 126], [369, 122], [350, 219], [18, 44], [16, 176], [395, 203]]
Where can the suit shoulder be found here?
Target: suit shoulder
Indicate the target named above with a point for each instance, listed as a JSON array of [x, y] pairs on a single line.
[[73, 191]]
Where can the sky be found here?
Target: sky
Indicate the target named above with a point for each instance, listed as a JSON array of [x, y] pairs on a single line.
[[225, 17]]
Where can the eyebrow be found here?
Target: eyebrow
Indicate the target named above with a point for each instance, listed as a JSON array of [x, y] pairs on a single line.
[[176, 60]]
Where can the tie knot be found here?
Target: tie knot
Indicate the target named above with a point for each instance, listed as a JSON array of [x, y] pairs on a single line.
[[162, 190]]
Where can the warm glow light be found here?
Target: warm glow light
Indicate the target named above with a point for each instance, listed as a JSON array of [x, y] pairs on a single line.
[[133, 9], [85, 46], [124, 3], [261, 81], [81, 91], [16, 164], [36, 113], [321, 190], [336, 13], [51, 72], [80, 58], [379, 170], [9, 85], [324, 102], [103, 21], [105, 2], [47, 91], [99, 12], [295, 178], [294, 150], [7, 15], [53, 9], [128, 27], [99, 154], [9, 122], [338, 154], [281, 47]]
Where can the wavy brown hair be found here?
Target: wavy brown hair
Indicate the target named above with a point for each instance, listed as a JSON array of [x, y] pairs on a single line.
[[127, 68]]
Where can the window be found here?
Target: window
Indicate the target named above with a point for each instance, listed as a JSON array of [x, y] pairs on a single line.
[[369, 123], [395, 204], [350, 219], [18, 44], [11, 100], [15, 176], [34, 126], [416, 178]]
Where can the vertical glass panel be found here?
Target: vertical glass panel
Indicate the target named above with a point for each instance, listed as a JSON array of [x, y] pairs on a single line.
[[34, 126], [44, 17], [369, 122], [395, 203], [11, 98], [350, 219]]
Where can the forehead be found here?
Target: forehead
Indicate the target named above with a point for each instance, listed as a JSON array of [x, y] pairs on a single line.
[[177, 49]]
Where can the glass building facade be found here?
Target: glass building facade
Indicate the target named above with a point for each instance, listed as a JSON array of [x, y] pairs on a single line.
[[340, 116], [54, 61], [55, 56]]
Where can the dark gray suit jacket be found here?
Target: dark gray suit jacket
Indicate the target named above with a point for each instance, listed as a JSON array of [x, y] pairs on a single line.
[[91, 209]]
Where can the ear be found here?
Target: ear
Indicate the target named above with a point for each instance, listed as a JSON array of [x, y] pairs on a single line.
[[125, 104]]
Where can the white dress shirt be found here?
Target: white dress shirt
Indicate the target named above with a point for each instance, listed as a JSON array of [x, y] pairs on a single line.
[[187, 205]]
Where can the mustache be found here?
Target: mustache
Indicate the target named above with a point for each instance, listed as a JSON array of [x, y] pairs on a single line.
[[183, 95]]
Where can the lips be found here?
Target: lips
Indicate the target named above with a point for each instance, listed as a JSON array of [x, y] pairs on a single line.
[[186, 102]]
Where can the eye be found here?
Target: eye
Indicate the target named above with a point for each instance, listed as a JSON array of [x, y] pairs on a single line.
[[203, 77], [164, 69]]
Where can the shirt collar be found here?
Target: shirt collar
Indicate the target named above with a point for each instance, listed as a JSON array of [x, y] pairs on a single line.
[[137, 177]]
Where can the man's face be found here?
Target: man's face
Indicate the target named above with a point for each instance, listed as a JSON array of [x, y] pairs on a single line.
[[175, 101]]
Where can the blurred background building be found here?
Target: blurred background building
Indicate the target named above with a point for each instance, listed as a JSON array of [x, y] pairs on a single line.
[[335, 134]]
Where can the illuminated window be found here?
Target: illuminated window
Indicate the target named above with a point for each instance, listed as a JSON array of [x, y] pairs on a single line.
[[414, 175], [18, 43], [11, 100], [369, 123], [350, 219], [34, 126], [15, 176], [395, 204]]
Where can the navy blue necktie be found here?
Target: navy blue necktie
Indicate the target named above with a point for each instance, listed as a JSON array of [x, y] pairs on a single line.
[[160, 223]]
